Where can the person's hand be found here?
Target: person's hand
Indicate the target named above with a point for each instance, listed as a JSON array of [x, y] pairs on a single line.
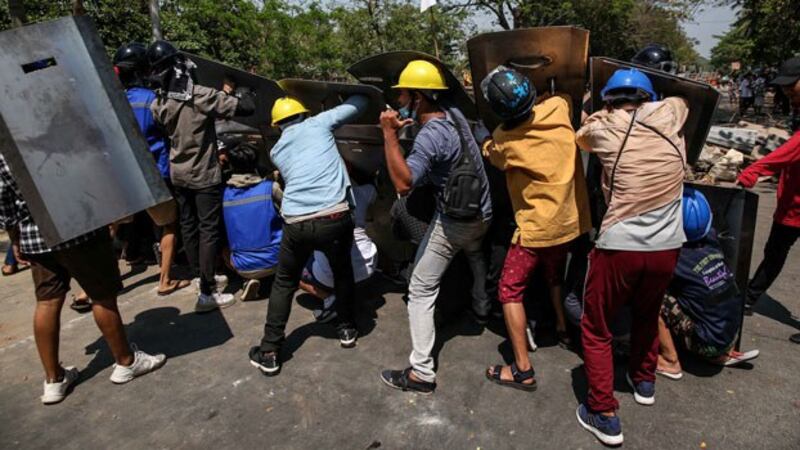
[[390, 120], [223, 159], [228, 86]]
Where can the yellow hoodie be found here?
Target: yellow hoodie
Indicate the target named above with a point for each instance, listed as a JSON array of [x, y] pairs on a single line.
[[544, 175]]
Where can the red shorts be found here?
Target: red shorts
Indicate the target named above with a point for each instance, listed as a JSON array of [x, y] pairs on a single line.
[[521, 262]]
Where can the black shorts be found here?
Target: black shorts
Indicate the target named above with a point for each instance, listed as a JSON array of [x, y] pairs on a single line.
[[92, 264]]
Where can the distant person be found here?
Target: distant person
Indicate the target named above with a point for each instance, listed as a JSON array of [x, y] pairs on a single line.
[[317, 211], [10, 264], [702, 310], [746, 98], [187, 111], [535, 147], [130, 63], [643, 154], [90, 260], [318, 277], [759, 93], [252, 221], [785, 163]]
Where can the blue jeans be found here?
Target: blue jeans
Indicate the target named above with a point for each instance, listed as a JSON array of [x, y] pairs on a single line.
[[10, 260], [444, 239]]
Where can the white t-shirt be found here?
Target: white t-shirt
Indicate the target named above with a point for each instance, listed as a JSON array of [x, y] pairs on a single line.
[[364, 253]]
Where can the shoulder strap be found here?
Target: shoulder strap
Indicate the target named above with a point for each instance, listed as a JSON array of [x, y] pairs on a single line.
[[619, 154], [464, 145]]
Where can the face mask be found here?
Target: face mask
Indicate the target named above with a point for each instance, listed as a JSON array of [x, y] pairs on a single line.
[[406, 112]]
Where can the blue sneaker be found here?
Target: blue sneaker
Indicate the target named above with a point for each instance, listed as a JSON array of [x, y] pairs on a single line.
[[644, 393], [606, 429]]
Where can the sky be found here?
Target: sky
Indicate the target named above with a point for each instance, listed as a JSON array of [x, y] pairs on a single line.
[[713, 20]]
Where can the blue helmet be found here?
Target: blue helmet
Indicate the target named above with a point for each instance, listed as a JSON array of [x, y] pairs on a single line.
[[697, 216], [628, 79]]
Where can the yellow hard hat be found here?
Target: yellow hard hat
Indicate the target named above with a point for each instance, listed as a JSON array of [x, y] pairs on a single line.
[[421, 74], [286, 107]]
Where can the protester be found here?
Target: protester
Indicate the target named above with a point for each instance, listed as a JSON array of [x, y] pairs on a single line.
[[446, 157], [90, 260], [785, 163], [656, 56], [187, 112], [535, 146], [252, 221], [759, 92], [746, 98], [316, 208], [318, 278], [702, 308], [130, 63], [643, 153]]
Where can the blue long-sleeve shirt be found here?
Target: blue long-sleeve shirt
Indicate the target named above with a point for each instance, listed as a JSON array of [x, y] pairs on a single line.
[[310, 164]]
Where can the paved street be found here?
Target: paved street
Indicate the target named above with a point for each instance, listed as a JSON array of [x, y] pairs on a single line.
[[208, 395]]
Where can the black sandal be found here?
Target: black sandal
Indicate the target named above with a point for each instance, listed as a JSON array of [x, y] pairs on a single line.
[[519, 378], [81, 305]]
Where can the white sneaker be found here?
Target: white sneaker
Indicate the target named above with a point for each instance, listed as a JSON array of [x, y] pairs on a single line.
[[250, 290], [55, 392], [221, 283], [211, 302], [142, 364]]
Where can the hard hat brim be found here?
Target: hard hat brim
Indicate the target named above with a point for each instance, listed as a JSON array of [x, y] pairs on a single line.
[[428, 88]]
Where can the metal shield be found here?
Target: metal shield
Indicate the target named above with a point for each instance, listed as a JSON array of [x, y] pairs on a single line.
[[702, 97], [211, 73], [68, 132], [551, 57], [384, 69]]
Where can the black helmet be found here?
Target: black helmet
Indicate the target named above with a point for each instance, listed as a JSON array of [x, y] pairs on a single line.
[[509, 93], [161, 53], [656, 56], [132, 56]]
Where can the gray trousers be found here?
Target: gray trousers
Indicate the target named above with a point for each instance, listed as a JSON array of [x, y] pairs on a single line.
[[444, 239]]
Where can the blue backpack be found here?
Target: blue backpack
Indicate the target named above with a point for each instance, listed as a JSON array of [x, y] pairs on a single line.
[[253, 225]]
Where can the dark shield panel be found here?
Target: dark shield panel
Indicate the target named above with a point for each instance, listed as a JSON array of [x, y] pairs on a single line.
[[384, 69], [68, 132], [553, 58], [212, 74], [702, 97]]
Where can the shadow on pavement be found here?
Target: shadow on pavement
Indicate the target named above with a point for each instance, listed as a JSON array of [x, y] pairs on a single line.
[[769, 307], [164, 330]]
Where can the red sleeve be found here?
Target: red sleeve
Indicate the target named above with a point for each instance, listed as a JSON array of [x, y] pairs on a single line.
[[770, 165]]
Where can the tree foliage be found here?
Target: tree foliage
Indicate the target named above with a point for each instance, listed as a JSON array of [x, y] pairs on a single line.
[[765, 33]]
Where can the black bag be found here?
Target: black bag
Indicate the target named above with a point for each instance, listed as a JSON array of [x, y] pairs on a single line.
[[461, 193]]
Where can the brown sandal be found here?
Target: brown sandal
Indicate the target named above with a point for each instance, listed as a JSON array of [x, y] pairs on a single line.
[[174, 285]]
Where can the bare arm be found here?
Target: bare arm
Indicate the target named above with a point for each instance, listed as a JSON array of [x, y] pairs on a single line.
[[399, 171]]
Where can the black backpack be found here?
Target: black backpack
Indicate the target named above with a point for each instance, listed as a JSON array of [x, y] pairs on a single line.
[[462, 193]]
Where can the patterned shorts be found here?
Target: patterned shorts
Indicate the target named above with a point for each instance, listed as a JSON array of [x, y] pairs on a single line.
[[683, 329]]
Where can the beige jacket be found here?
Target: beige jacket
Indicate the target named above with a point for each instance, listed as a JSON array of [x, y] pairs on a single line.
[[650, 171], [193, 140]]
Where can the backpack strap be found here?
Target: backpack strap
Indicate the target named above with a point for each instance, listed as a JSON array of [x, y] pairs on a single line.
[[619, 154]]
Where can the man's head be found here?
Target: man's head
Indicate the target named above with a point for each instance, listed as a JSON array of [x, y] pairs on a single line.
[[788, 79], [243, 158], [656, 56], [162, 57], [288, 111], [419, 88], [510, 94], [628, 87], [130, 64]]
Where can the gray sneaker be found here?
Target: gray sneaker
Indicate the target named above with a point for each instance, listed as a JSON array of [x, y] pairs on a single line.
[[142, 364]]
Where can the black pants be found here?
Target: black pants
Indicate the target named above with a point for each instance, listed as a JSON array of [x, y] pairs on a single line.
[[780, 241], [334, 238], [200, 213]]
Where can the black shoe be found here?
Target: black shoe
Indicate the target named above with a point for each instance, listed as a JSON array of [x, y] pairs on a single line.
[[795, 338], [347, 337], [267, 363], [401, 379]]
